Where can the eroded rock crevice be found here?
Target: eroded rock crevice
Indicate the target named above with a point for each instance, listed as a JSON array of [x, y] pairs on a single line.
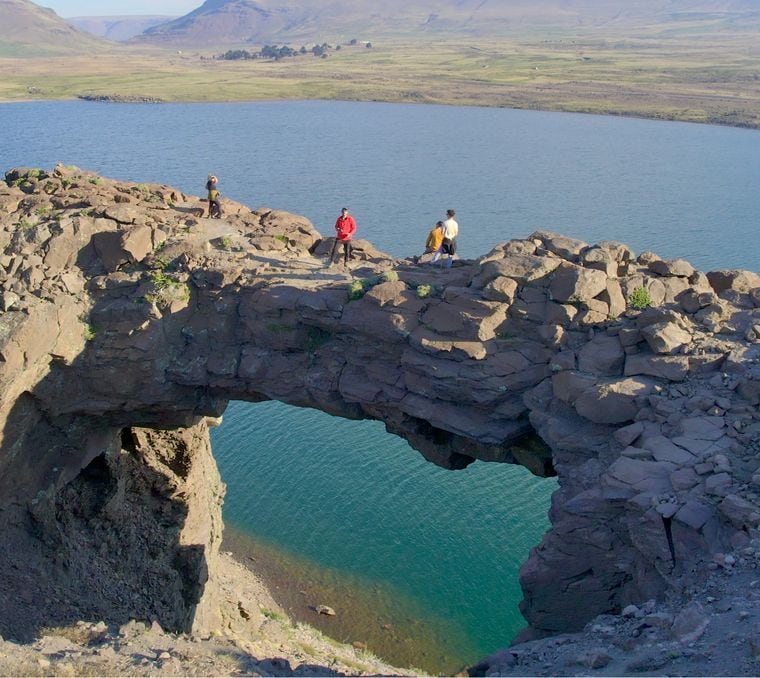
[[125, 314]]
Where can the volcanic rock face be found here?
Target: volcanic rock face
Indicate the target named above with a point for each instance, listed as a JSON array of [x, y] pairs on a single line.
[[128, 318]]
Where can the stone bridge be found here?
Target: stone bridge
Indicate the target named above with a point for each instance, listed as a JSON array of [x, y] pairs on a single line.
[[128, 320]]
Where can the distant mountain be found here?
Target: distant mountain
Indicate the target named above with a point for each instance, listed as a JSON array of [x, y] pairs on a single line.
[[27, 29], [226, 22], [118, 28]]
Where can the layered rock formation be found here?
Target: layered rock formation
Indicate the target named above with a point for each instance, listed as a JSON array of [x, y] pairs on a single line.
[[128, 319]]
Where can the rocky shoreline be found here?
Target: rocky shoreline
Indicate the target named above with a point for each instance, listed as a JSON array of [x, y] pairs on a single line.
[[127, 320], [255, 638], [120, 98]]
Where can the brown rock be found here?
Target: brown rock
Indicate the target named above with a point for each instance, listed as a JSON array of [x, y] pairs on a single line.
[[567, 248], [600, 260], [741, 281], [612, 402], [666, 338], [695, 513], [602, 356], [741, 513], [576, 284], [614, 298], [501, 289], [690, 623], [671, 267], [671, 368], [522, 268], [137, 242]]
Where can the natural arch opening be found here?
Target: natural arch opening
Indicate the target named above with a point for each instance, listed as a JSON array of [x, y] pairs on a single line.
[[421, 565]]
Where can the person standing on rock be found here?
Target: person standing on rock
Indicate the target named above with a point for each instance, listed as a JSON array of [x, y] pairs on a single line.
[[450, 233], [345, 227], [214, 204], [433, 243]]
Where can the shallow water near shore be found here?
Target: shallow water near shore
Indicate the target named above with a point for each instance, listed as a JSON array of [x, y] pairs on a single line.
[[369, 614], [365, 525]]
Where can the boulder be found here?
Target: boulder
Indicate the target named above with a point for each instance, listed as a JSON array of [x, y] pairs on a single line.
[[465, 315], [512, 247], [124, 215], [612, 402], [742, 513], [670, 368], [562, 246], [671, 267], [684, 479], [749, 389], [620, 251], [568, 385], [703, 428], [523, 268], [666, 338], [137, 243], [694, 513], [600, 260], [627, 435], [733, 279], [663, 449], [576, 284], [501, 289], [602, 356], [690, 623], [692, 301], [614, 298], [560, 314], [674, 287], [718, 484], [645, 476], [109, 249]]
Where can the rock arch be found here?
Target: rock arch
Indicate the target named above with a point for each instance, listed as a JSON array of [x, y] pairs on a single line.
[[128, 320]]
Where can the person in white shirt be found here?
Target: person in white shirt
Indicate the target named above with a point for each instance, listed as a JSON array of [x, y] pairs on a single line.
[[450, 233]]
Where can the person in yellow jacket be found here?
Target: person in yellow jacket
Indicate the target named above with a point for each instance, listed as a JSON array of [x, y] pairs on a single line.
[[433, 243]]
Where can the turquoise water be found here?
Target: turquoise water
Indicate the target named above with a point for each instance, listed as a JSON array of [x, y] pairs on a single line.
[[345, 495], [353, 498]]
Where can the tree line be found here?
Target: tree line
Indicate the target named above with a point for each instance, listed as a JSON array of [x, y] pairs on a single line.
[[278, 52]]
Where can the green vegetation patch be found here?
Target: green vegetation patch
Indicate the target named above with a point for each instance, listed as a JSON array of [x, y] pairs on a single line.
[[425, 290], [358, 288], [640, 298], [167, 289]]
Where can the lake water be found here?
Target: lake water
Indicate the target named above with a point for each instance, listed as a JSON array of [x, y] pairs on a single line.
[[421, 563]]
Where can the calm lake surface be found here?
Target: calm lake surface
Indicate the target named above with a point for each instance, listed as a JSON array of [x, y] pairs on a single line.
[[420, 563]]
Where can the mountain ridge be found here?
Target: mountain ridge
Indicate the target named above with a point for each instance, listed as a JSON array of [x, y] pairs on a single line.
[[117, 28], [240, 21], [29, 29]]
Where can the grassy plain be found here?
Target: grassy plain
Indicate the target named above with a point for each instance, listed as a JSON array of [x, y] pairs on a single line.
[[711, 78]]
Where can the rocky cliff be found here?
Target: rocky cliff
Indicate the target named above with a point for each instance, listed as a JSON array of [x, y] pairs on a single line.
[[127, 319]]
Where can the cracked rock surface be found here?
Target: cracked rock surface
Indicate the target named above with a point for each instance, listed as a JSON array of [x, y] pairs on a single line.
[[127, 318]]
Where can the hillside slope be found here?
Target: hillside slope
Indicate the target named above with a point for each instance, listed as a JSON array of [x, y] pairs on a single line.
[[26, 29], [118, 28], [219, 22]]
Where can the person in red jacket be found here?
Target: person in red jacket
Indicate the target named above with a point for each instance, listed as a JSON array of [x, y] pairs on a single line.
[[345, 227]]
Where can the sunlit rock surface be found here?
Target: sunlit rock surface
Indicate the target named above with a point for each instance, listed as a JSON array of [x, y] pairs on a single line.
[[127, 318]]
